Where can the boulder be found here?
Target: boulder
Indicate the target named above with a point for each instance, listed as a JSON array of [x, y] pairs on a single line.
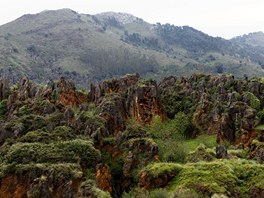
[[221, 151]]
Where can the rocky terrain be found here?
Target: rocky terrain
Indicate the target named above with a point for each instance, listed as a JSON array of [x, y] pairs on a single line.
[[197, 136]]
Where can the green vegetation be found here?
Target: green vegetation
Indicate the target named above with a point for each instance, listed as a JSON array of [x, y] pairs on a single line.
[[51, 145], [203, 179], [112, 48], [3, 107], [254, 102], [65, 151], [157, 169], [174, 138], [201, 154], [89, 187]]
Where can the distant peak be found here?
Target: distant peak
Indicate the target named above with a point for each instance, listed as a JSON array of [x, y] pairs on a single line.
[[121, 17], [250, 35], [59, 10]]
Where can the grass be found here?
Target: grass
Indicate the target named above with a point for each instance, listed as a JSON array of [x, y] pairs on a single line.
[[207, 178], [260, 127], [208, 140], [157, 169], [173, 144]]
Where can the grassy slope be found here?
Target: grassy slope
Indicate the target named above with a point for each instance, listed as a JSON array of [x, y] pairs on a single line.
[[63, 38]]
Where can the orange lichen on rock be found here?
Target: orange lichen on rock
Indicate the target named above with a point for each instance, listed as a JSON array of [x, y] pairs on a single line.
[[104, 178], [68, 96], [146, 102], [12, 187], [147, 182]]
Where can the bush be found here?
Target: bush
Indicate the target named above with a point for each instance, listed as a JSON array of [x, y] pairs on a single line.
[[171, 151], [3, 107], [68, 151], [178, 128], [260, 114], [24, 110], [88, 188], [42, 135], [158, 169], [201, 153], [169, 136], [182, 125], [115, 165], [32, 122], [136, 193], [134, 131], [80, 149], [159, 193], [254, 102]]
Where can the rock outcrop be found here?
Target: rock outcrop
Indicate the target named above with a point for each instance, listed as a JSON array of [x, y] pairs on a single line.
[[4, 89], [220, 151], [236, 126], [147, 182], [145, 102], [67, 93], [127, 97], [98, 140], [218, 105], [40, 183], [104, 178]]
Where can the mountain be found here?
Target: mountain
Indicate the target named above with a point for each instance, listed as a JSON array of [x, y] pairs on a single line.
[[90, 48], [252, 46], [255, 39]]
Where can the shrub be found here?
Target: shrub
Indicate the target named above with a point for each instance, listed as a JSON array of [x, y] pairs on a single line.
[[254, 102], [42, 135], [80, 149], [201, 153], [32, 122], [136, 193], [115, 165], [68, 151], [24, 110], [134, 131], [182, 125], [3, 107], [88, 188], [171, 151], [159, 193], [157, 169], [260, 114]]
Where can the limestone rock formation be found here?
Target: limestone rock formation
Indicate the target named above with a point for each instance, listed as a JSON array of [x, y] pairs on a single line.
[[237, 124], [4, 89], [145, 102], [39, 183], [67, 93], [104, 178], [127, 97], [148, 182]]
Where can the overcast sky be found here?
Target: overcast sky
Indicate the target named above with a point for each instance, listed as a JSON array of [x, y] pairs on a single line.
[[225, 18]]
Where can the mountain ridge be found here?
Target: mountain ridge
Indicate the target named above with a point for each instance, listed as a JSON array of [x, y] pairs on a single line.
[[90, 48]]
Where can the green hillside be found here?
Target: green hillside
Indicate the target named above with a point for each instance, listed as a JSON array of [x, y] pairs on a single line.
[[89, 48]]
